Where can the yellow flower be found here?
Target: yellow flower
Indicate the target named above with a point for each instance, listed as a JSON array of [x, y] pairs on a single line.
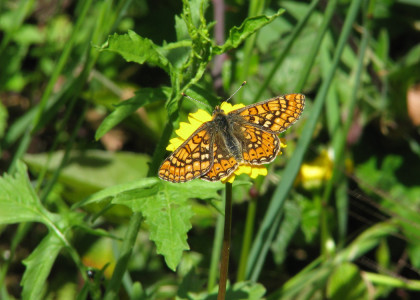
[[196, 120], [315, 173]]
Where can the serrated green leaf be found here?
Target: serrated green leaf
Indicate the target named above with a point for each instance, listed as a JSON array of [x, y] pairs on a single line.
[[238, 34], [135, 48], [164, 206], [38, 267], [123, 110], [168, 217], [18, 201]]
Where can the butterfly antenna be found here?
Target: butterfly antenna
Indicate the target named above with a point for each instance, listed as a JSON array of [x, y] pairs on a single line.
[[192, 99], [243, 83]]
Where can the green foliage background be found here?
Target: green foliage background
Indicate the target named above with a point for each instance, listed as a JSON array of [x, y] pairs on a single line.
[[91, 94]]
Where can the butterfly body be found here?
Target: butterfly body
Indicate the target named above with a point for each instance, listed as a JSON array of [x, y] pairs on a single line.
[[225, 129], [243, 136]]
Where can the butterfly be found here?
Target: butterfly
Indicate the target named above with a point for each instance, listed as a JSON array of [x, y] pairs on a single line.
[[247, 135]]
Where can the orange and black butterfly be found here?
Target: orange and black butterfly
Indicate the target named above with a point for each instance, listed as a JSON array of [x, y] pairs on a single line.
[[247, 135]]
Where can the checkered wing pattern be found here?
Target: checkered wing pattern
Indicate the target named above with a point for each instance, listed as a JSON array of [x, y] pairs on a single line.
[[224, 164], [274, 115]]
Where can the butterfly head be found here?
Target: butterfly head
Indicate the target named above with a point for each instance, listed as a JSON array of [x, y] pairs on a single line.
[[218, 109]]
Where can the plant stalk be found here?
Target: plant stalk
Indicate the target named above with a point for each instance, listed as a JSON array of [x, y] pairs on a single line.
[[224, 267]]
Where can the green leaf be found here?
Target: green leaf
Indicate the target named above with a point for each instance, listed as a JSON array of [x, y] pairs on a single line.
[[18, 201], [38, 267], [243, 290], [367, 240], [121, 191], [135, 48], [181, 29], [346, 283], [287, 231], [164, 206], [29, 34], [309, 219], [89, 171], [238, 34], [123, 110]]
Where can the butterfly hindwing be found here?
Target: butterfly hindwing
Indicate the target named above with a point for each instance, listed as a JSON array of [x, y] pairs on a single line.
[[224, 163], [259, 146]]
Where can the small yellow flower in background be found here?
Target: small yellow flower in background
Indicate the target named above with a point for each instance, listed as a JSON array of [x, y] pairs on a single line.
[[315, 173]]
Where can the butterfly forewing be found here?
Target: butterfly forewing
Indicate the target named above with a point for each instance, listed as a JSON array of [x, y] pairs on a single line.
[[276, 114]]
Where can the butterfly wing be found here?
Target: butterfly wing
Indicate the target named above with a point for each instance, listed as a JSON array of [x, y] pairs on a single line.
[[274, 115], [191, 160], [258, 146], [224, 162]]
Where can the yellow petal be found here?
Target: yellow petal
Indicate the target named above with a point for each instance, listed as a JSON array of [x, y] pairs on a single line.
[[200, 116], [185, 129], [258, 170], [229, 179], [174, 144], [227, 107]]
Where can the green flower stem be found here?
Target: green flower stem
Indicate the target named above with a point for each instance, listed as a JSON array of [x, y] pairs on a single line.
[[226, 243], [248, 233]]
